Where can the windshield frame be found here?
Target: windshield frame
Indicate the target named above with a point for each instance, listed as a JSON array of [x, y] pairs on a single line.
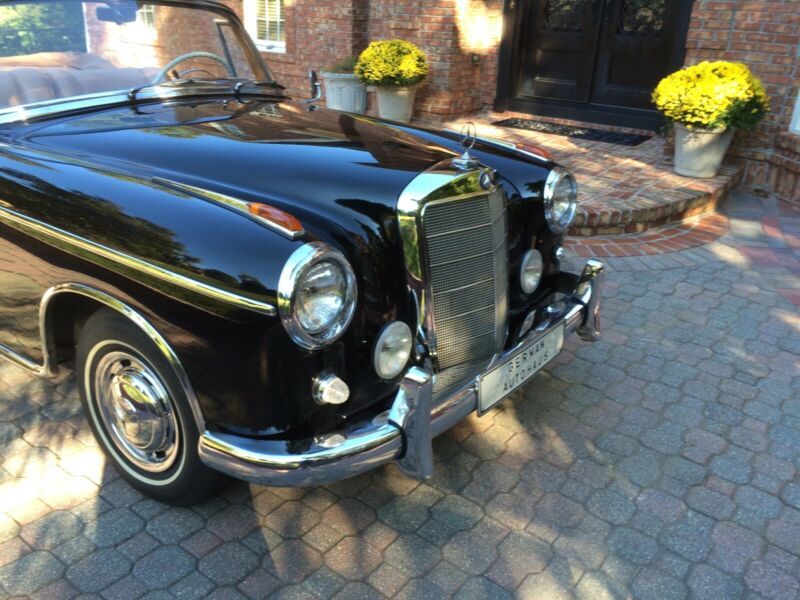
[[48, 108]]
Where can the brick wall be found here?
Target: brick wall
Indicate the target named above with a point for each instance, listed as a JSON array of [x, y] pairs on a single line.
[[784, 172], [176, 30], [766, 36], [460, 37], [318, 35]]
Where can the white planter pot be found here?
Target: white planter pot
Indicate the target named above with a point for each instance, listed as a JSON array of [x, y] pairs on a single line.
[[699, 152], [396, 103], [343, 91]]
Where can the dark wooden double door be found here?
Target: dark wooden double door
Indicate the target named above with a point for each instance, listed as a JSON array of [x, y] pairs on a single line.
[[595, 60]]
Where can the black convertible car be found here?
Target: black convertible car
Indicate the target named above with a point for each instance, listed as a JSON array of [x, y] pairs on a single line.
[[252, 285]]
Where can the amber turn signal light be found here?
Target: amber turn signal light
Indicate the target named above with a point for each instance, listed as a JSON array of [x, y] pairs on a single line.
[[276, 216], [534, 150]]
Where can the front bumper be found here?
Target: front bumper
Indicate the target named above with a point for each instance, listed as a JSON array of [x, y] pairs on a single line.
[[403, 433]]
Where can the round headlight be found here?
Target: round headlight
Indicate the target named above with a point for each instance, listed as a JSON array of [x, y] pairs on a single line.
[[560, 199], [392, 350], [530, 273], [316, 295], [321, 295]]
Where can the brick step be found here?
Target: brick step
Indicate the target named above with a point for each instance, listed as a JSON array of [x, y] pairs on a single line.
[[690, 233], [644, 207]]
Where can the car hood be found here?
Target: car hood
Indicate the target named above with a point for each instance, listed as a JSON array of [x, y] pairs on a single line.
[[339, 173]]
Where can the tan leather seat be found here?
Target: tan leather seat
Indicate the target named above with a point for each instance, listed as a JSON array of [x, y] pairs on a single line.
[[25, 85], [72, 60]]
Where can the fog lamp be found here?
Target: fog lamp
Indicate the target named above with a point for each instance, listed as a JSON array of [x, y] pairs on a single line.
[[530, 272], [392, 350]]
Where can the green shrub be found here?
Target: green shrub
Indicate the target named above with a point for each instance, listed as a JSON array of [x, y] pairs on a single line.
[[392, 63]]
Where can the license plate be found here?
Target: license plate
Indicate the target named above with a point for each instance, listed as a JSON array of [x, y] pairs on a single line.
[[503, 379]]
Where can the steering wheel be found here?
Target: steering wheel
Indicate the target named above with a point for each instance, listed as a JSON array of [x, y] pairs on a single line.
[[162, 74]]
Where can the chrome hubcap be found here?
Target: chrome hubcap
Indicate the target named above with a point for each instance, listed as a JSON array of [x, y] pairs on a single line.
[[137, 411]]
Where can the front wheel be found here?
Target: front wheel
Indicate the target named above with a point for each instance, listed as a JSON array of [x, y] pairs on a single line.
[[139, 412]]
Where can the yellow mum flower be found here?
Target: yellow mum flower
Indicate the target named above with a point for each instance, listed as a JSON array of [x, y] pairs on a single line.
[[712, 94], [392, 63]]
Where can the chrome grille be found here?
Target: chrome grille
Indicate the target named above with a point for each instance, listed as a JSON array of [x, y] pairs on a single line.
[[467, 277]]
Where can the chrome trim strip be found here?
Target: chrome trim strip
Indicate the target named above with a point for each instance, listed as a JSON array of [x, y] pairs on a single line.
[[136, 264], [240, 206], [50, 368], [390, 436], [20, 360]]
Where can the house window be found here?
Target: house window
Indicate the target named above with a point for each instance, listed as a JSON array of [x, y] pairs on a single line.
[[794, 126], [264, 20], [146, 17]]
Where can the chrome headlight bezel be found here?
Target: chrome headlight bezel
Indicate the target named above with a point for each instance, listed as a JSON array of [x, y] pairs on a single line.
[[299, 263], [559, 223]]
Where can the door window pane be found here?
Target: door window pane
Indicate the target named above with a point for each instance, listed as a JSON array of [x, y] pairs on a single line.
[[564, 15], [642, 17]]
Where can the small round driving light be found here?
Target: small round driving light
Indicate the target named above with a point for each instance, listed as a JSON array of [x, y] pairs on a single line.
[[392, 350], [530, 272], [328, 388]]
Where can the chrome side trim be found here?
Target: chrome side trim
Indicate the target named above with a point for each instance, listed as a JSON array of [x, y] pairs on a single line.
[[393, 435], [43, 229], [50, 368], [240, 206], [21, 361]]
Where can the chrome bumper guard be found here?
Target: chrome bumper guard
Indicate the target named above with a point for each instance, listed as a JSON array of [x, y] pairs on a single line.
[[403, 434]]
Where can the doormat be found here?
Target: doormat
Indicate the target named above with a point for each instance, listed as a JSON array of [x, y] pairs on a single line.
[[582, 133]]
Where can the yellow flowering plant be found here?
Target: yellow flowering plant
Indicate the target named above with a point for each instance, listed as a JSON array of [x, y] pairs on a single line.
[[712, 95], [392, 63]]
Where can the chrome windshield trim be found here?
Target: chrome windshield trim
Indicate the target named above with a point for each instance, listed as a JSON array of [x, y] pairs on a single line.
[[50, 233], [48, 108], [236, 204]]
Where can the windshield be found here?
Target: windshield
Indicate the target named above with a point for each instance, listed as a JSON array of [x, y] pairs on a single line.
[[66, 48]]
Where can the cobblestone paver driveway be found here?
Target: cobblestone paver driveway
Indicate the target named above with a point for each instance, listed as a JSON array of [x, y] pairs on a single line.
[[661, 462]]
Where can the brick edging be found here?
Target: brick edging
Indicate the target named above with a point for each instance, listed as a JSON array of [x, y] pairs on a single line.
[[682, 236], [595, 220]]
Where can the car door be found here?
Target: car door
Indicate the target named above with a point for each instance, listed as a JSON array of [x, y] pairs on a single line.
[[23, 280]]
